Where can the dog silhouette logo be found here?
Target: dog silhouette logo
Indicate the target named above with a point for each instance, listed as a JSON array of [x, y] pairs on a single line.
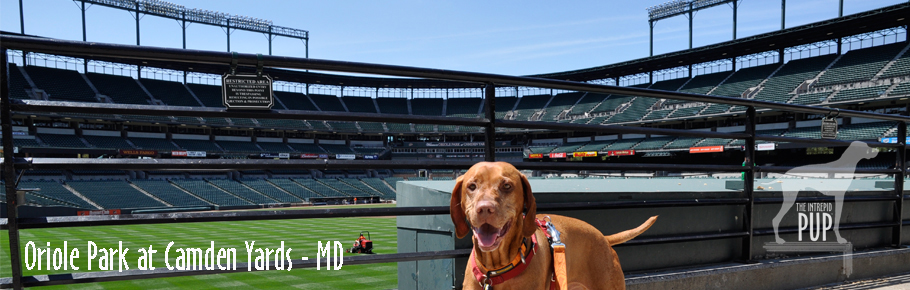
[[816, 217]]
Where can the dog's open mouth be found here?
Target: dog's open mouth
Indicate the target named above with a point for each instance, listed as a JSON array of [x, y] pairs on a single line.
[[489, 237]]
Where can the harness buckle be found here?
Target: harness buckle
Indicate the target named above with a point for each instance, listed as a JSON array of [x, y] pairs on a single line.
[[553, 233]]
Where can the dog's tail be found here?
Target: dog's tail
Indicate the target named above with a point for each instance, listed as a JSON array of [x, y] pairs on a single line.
[[625, 236]]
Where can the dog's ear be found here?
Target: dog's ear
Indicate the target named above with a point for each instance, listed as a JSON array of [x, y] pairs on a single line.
[[456, 210], [529, 225]]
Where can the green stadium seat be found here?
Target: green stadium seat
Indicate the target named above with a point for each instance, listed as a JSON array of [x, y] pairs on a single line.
[[121, 89], [114, 194], [327, 103], [271, 190], [61, 84], [167, 192], [209, 192], [860, 64], [359, 104], [171, 93]]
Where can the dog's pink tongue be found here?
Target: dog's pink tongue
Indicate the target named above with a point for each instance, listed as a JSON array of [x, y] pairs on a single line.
[[486, 235]]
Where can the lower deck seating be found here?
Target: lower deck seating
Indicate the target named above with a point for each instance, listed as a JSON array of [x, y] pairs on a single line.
[[239, 190], [294, 188], [270, 190], [56, 191], [381, 186], [208, 192], [319, 187], [111, 194], [165, 191]]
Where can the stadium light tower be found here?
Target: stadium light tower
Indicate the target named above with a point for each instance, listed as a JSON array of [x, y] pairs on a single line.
[[687, 8], [183, 15]]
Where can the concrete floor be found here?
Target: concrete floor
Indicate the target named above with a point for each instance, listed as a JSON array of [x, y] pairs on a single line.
[[896, 282]]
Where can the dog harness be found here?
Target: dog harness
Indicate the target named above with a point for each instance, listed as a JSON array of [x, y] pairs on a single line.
[[489, 278]]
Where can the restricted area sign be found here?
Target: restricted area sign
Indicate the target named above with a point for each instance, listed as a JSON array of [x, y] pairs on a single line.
[[249, 92], [829, 128]]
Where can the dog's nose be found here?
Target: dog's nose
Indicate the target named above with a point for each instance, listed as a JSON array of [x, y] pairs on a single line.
[[485, 207]]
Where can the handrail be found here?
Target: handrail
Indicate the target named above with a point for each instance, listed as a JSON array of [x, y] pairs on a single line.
[[93, 49]]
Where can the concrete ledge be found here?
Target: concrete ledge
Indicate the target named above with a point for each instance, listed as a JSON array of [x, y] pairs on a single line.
[[778, 274]]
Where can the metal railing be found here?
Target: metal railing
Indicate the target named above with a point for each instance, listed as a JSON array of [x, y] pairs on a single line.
[[88, 50]]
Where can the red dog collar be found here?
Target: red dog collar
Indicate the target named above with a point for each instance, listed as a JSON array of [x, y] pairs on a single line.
[[514, 268]]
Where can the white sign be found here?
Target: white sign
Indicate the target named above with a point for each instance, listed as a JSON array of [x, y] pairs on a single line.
[[195, 153], [765, 147], [345, 156]]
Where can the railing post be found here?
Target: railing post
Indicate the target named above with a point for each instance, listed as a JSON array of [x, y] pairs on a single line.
[[9, 173], [748, 184], [489, 100], [899, 183]]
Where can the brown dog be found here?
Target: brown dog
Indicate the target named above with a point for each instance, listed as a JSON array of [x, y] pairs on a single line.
[[489, 200]]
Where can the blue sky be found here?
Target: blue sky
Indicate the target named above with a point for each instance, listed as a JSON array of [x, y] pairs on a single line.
[[507, 37]]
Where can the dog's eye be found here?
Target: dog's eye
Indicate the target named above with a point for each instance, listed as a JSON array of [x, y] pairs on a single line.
[[472, 187], [506, 186]]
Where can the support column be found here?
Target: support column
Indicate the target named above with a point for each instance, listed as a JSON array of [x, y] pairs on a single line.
[[651, 23], [748, 184], [228, 35], [9, 174], [84, 38], [901, 163], [735, 3], [22, 30], [691, 16], [489, 100], [840, 10], [137, 23], [783, 13]]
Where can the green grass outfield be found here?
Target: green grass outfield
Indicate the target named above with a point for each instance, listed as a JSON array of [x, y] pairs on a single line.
[[300, 235]]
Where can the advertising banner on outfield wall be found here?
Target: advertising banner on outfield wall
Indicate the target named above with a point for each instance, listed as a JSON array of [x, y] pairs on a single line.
[[535, 156], [706, 149], [138, 152], [620, 152], [99, 212], [323, 156], [370, 157], [309, 156], [345, 156], [764, 147], [558, 155], [178, 153], [195, 154], [585, 154]]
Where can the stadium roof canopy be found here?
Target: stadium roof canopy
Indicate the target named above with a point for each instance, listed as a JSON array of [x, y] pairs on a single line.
[[868, 21]]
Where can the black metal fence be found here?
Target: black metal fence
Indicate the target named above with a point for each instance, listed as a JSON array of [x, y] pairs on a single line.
[[90, 50]]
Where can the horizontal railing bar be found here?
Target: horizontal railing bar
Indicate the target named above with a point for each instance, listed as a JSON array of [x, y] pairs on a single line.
[[783, 169], [853, 226], [682, 238], [767, 200], [616, 129], [162, 272], [830, 142], [639, 204], [330, 164], [157, 110], [218, 216], [92, 49]]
